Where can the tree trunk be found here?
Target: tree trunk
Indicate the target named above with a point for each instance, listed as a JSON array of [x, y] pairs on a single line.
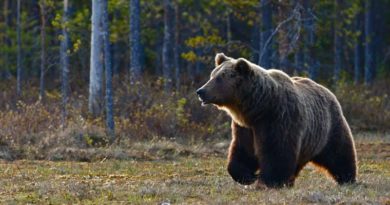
[[116, 52], [358, 49], [176, 48], [369, 66], [158, 61], [298, 60], [19, 51], [283, 41], [64, 63], [266, 31], [198, 64], [228, 27], [43, 51], [337, 43], [255, 43], [309, 40], [116, 58], [380, 34], [96, 70], [5, 74], [167, 55], [135, 40], [108, 73]]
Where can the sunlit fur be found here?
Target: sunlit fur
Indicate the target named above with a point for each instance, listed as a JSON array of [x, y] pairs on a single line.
[[289, 121]]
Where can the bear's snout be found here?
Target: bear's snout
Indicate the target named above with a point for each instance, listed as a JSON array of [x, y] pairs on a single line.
[[201, 92]]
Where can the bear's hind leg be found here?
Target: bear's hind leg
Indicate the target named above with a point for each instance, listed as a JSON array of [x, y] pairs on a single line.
[[339, 158]]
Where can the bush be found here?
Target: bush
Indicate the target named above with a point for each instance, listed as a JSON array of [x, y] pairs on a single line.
[[143, 112], [33, 129], [366, 108]]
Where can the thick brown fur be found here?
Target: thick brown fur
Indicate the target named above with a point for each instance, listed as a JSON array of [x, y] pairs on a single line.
[[279, 124]]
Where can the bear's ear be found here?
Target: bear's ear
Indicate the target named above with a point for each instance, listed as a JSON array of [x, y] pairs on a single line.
[[242, 67], [220, 58]]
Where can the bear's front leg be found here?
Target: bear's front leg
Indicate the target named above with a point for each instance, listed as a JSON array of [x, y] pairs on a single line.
[[242, 163], [275, 174], [278, 167], [241, 169], [278, 159]]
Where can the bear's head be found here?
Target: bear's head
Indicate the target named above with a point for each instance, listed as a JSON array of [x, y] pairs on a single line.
[[227, 81]]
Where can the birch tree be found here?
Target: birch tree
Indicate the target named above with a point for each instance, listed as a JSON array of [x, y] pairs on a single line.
[[108, 71], [64, 61], [96, 63]]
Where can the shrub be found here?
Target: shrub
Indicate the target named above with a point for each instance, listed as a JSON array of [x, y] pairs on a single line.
[[33, 129], [366, 108], [143, 112]]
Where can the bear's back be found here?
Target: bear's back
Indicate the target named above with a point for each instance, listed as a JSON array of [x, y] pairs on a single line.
[[309, 88], [321, 108]]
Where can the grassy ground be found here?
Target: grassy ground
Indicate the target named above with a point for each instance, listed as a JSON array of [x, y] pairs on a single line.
[[186, 180]]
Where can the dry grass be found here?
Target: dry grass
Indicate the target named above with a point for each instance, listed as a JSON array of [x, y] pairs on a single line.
[[186, 179]]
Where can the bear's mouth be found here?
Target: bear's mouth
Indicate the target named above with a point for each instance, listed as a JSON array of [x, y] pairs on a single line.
[[204, 98], [204, 102]]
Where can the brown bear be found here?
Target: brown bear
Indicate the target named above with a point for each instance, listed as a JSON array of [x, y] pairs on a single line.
[[279, 124]]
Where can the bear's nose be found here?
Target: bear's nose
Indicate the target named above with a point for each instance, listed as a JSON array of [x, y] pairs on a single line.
[[200, 92]]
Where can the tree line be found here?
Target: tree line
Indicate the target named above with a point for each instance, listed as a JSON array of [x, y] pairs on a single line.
[[70, 42]]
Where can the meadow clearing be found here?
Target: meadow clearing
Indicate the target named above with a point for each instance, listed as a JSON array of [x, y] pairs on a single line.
[[194, 175]]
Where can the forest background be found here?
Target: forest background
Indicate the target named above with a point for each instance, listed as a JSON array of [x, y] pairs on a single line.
[[86, 74]]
